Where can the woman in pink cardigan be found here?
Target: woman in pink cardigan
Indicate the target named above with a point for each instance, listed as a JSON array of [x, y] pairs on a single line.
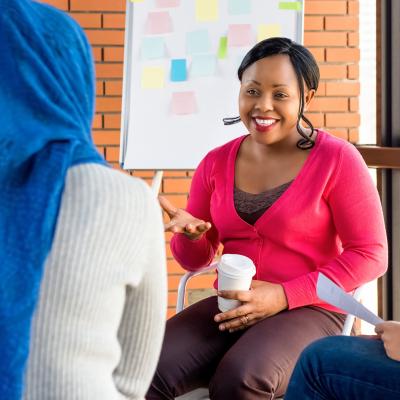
[[295, 200]]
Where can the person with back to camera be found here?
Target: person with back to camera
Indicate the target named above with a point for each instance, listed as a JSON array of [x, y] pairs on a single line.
[[296, 201], [81, 245], [348, 368]]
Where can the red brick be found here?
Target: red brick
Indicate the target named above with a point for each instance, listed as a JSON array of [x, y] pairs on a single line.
[[313, 23], [333, 71], [173, 266], [342, 120], [353, 39], [88, 20], [321, 89], [354, 104], [353, 71], [325, 7], [106, 137], [108, 104], [326, 104], [178, 200], [175, 174], [97, 5], [109, 70], [114, 21], [318, 53], [342, 23], [97, 54], [342, 55], [340, 133], [114, 54], [181, 185], [60, 4], [114, 88], [112, 154], [342, 88], [332, 39], [99, 88], [354, 135], [317, 119], [112, 121], [97, 121], [353, 7], [104, 38]]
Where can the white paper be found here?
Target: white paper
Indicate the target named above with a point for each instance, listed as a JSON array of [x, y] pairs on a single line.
[[333, 294]]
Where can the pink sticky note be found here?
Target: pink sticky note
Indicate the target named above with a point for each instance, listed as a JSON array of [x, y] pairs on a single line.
[[158, 22], [240, 35], [183, 103], [167, 3]]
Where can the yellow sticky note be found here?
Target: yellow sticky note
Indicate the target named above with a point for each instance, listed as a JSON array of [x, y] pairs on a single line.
[[207, 10], [153, 77], [137, 1], [266, 31]]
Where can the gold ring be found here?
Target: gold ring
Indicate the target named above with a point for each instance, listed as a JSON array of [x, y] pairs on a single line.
[[245, 319]]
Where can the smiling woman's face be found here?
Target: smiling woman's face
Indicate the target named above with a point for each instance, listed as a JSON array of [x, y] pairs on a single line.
[[269, 100]]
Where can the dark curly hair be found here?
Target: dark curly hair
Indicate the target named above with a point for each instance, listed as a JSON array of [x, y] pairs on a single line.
[[306, 69]]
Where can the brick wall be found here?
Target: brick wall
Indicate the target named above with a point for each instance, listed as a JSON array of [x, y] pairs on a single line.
[[331, 33]]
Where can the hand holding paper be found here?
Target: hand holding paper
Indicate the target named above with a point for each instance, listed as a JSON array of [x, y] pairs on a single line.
[[333, 294]]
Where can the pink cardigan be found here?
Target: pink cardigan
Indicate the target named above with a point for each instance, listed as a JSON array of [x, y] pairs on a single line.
[[329, 220]]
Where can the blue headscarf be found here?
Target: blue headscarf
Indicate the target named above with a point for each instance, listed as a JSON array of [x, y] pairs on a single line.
[[46, 110]]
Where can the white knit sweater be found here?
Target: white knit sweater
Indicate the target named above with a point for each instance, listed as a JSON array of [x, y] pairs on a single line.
[[100, 318]]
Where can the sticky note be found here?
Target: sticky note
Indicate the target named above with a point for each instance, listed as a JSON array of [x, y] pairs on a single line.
[[137, 1], [178, 70], [203, 65], [240, 35], [153, 47], [198, 42], [290, 5], [223, 47], [167, 3], [266, 31], [158, 22], [206, 10], [237, 7], [183, 103], [153, 77]]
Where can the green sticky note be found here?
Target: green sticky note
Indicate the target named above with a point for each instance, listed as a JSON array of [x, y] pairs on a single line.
[[153, 77], [223, 47], [290, 5], [266, 31]]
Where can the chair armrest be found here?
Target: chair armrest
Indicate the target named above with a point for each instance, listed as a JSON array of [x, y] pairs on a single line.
[[180, 303]]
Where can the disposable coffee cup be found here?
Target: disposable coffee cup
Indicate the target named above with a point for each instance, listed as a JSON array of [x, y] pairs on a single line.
[[234, 273]]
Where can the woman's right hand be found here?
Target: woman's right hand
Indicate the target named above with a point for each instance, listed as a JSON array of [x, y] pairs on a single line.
[[183, 222]]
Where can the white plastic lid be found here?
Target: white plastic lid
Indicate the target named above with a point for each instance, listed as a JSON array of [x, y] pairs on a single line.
[[236, 265]]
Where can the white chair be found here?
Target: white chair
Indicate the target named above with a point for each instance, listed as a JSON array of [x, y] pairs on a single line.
[[202, 393]]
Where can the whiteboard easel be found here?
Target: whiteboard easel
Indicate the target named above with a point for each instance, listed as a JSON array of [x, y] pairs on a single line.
[[145, 145]]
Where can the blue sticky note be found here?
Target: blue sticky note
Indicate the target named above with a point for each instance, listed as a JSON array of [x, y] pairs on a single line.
[[237, 7], [178, 70], [153, 47], [198, 42], [203, 65]]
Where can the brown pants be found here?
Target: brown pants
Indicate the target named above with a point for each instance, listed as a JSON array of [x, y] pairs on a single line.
[[252, 364]]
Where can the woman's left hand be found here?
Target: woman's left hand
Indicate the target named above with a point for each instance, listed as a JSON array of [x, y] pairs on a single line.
[[263, 300]]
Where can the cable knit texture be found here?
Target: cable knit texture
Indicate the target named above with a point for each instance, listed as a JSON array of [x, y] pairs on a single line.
[[99, 323]]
